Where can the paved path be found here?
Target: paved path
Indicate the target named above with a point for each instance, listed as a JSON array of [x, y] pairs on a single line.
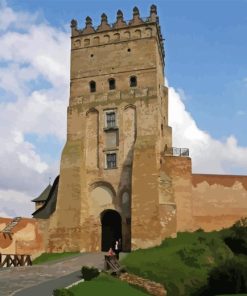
[[47, 288], [14, 280]]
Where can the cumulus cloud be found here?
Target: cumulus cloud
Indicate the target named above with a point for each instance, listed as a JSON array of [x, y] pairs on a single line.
[[34, 80], [208, 155], [12, 201], [9, 18]]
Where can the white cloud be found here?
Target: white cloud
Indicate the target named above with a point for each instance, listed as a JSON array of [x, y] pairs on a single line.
[[12, 203], [9, 18], [209, 155], [241, 112], [4, 215], [34, 74]]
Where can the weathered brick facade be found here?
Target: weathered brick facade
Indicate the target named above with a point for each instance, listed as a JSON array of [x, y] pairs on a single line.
[[119, 176]]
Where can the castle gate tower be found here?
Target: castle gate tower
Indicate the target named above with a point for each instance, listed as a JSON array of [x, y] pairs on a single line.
[[117, 128]]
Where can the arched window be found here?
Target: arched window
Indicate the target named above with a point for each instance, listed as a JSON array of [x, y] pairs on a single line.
[[133, 81], [86, 42], [112, 83], [92, 85]]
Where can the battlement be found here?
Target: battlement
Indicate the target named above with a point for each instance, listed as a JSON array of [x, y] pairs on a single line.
[[91, 36]]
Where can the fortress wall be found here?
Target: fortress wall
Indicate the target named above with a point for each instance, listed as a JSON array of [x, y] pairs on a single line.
[[27, 237], [178, 172], [218, 200]]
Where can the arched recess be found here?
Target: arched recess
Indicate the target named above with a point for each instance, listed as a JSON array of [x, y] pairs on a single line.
[[138, 33], [116, 36], [86, 42], [148, 32], [77, 43], [106, 38], [127, 34], [96, 40], [111, 223], [102, 184], [129, 131], [92, 141], [92, 86], [102, 196]]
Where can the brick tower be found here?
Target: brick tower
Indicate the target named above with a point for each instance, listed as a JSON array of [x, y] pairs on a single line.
[[109, 186]]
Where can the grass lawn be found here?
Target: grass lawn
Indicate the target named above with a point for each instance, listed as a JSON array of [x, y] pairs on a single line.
[[47, 257], [105, 285], [180, 264]]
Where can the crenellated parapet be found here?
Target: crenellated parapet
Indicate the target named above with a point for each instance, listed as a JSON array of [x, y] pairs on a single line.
[[120, 30], [118, 24]]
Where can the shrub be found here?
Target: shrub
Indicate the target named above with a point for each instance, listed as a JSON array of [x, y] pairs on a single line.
[[89, 273], [228, 277], [62, 292], [237, 245], [239, 229], [236, 240], [199, 230], [190, 256], [241, 223], [201, 239]]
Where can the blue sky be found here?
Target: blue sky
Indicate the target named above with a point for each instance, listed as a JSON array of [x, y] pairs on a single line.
[[205, 51], [206, 68]]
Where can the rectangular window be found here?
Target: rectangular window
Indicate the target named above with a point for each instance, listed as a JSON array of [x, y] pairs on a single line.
[[110, 119], [111, 160]]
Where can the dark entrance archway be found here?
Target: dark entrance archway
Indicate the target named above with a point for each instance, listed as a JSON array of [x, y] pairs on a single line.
[[111, 228]]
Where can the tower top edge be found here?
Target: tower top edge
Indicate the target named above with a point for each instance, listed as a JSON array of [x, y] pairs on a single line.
[[120, 22]]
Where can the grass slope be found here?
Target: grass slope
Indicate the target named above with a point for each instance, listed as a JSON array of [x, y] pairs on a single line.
[[180, 264], [105, 285], [47, 257]]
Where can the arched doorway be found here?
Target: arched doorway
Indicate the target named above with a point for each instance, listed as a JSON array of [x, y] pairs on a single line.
[[111, 228]]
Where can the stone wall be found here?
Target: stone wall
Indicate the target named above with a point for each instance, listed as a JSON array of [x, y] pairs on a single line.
[[175, 195], [27, 237], [218, 200]]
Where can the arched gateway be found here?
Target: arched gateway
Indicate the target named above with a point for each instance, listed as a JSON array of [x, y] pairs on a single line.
[[111, 228]]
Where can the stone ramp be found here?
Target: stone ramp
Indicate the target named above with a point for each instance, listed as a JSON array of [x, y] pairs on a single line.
[[15, 279]]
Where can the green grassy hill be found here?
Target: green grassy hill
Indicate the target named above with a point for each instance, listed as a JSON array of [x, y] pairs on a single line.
[[182, 264], [193, 264], [105, 285]]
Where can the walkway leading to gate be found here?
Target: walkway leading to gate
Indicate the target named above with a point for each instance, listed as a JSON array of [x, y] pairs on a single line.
[[14, 280]]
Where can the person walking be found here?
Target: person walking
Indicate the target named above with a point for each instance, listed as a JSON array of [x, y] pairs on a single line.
[[116, 249], [120, 245]]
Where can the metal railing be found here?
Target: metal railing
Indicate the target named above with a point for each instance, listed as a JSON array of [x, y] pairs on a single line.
[[174, 151]]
